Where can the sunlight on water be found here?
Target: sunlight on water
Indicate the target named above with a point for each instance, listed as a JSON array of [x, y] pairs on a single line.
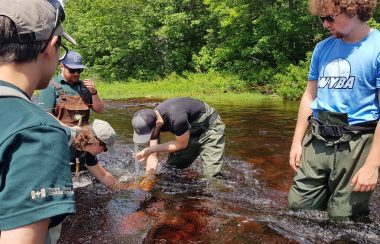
[[82, 179], [249, 206]]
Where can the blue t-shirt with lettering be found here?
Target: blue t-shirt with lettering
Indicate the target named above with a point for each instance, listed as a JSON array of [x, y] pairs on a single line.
[[348, 76]]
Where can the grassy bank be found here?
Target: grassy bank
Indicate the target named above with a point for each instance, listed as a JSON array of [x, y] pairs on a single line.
[[210, 87]]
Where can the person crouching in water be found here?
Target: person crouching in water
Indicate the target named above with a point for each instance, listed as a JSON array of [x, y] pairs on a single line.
[[90, 141], [198, 131]]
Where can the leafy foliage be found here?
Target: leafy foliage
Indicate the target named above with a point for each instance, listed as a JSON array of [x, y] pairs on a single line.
[[263, 42], [293, 82], [139, 39], [256, 35]]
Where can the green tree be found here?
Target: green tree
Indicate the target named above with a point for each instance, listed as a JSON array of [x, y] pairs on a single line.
[[253, 35], [264, 42], [138, 39]]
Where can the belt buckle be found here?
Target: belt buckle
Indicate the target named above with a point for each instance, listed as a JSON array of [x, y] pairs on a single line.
[[331, 130]]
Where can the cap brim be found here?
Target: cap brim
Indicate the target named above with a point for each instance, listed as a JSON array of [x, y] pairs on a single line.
[[141, 139], [69, 38], [74, 66], [60, 31]]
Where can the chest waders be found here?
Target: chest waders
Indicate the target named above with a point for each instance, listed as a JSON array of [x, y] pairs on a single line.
[[332, 153], [199, 127], [207, 141], [333, 135], [73, 110]]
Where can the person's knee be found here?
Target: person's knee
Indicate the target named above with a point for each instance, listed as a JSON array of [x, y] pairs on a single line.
[[357, 204], [294, 202], [340, 213], [298, 201]]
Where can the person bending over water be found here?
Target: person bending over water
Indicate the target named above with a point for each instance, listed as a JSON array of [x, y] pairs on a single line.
[[198, 130], [90, 141]]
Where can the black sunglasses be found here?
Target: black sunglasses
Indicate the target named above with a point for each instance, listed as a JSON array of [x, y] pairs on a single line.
[[59, 18], [328, 18], [73, 71]]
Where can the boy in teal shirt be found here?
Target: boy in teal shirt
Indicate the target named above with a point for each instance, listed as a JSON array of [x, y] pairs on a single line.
[[35, 180]]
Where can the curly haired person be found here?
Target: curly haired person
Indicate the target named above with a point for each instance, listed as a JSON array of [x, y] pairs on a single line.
[[338, 158]]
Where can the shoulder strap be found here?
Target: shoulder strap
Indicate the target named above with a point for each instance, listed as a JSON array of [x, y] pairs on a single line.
[[58, 87], [12, 92]]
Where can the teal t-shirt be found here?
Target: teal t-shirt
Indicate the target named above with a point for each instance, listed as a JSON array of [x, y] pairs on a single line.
[[35, 177], [49, 95]]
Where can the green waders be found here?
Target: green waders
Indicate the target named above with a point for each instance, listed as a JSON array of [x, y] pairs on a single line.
[[323, 180], [207, 141]]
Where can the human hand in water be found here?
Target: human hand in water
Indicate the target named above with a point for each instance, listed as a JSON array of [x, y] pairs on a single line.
[[143, 155], [365, 179], [121, 186], [148, 181]]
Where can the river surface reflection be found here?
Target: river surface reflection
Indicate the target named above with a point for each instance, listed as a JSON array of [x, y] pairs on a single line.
[[249, 207]]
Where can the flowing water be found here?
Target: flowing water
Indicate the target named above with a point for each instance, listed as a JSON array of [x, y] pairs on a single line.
[[137, 163], [250, 206]]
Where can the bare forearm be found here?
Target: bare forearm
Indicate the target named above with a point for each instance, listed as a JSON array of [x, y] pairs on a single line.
[[152, 163], [97, 104], [304, 112], [102, 175], [108, 180], [170, 147], [153, 150], [302, 123]]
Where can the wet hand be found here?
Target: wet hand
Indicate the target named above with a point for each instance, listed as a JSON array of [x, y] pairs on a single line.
[[295, 156], [142, 155], [148, 182], [365, 179], [120, 186], [90, 85]]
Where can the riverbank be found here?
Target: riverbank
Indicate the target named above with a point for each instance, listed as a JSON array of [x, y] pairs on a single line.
[[210, 87]]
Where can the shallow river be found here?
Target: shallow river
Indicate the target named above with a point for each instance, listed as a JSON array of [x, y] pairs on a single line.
[[250, 206]]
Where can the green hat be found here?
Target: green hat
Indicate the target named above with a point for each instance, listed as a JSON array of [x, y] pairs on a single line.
[[104, 132], [35, 20]]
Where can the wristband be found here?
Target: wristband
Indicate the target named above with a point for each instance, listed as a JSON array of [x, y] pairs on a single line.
[[96, 92]]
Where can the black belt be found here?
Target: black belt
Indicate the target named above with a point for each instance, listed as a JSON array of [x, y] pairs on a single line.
[[211, 119], [206, 124], [339, 130]]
